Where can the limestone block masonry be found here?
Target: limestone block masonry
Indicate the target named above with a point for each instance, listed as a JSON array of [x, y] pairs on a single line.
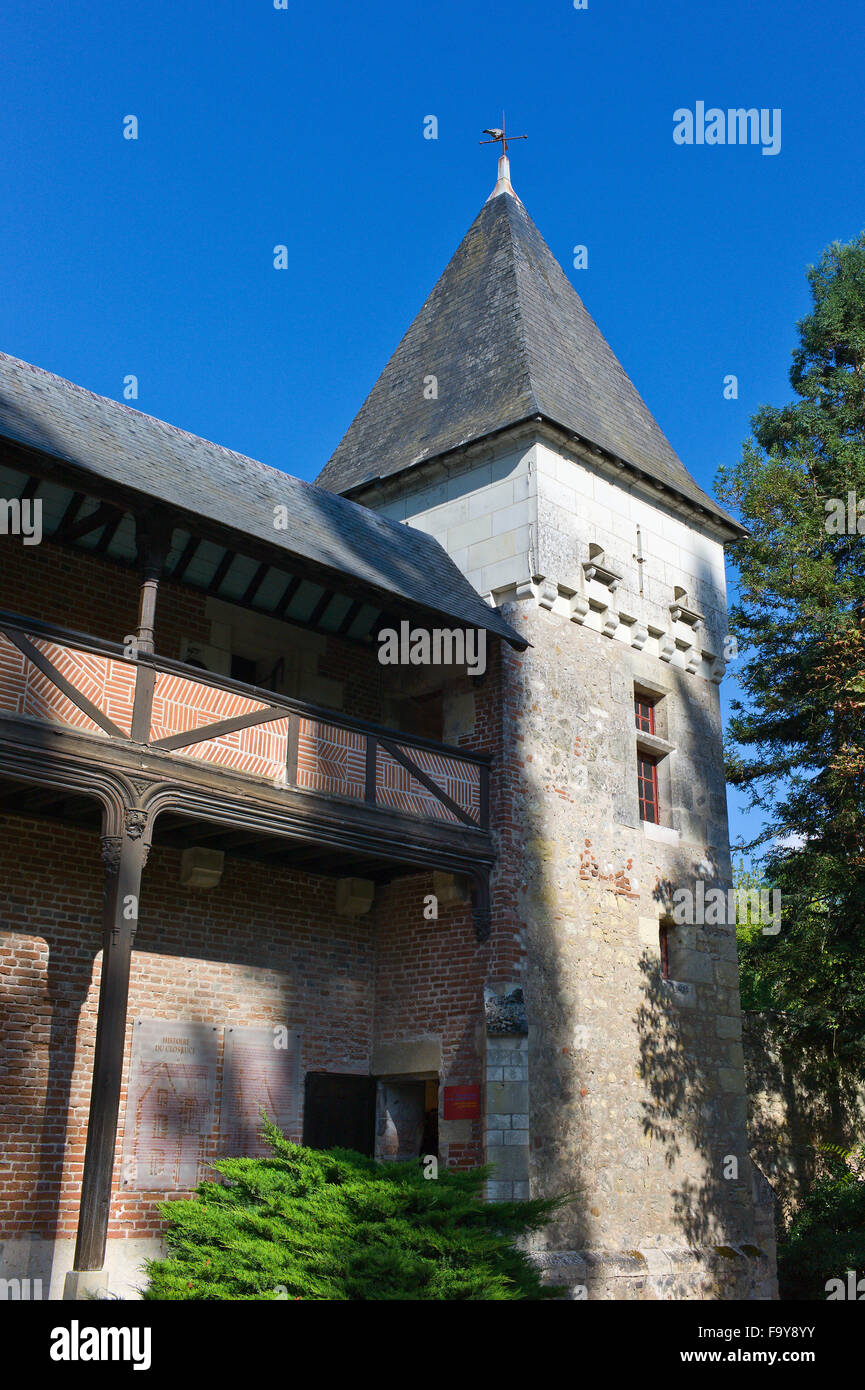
[[628, 1091]]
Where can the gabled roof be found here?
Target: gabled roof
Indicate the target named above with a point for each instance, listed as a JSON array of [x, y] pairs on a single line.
[[197, 481], [507, 338]]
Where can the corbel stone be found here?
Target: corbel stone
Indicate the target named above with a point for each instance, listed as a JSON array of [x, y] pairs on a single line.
[[201, 867], [717, 670], [609, 622], [693, 661], [579, 608], [354, 896], [450, 889], [547, 593], [666, 647]]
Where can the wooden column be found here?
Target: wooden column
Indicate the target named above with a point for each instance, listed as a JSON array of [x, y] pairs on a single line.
[[124, 860], [153, 539]]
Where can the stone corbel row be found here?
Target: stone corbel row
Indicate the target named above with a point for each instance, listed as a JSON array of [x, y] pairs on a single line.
[[545, 593]]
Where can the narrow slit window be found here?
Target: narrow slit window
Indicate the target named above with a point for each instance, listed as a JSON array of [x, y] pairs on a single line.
[[647, 786], [664, 942]]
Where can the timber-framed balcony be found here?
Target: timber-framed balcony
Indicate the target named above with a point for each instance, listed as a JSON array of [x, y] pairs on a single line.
[[184, 742]]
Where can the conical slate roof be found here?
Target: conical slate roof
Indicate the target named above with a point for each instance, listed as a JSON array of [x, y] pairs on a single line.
[[507, 337]]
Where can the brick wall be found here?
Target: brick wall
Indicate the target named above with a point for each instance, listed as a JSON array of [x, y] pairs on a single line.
[[264, 948], [429, 981], [93, 595]]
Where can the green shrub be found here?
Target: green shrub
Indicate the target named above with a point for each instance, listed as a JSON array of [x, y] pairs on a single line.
[[825, 1237], [336, 1225]]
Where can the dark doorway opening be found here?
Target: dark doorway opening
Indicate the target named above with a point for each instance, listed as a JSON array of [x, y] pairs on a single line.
[[339, 1112], [406, 1123]]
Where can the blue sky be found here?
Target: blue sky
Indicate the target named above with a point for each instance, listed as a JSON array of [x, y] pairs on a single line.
[[304, 126]]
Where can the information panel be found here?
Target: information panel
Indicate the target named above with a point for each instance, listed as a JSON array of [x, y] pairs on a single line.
[[261, 1072], [169, 1117]]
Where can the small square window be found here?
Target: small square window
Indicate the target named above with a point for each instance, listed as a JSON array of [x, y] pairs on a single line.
[[647, 787]]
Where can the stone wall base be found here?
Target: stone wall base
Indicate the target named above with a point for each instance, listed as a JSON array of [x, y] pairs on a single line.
[[709, 1272], [41, 1267]]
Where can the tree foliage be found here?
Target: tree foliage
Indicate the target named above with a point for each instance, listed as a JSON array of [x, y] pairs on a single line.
[[312, 1224], [797, 736], [825, 1237]]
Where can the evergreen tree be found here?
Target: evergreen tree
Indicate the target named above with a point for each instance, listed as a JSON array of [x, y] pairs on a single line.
[[797, 737], [313, 1224]]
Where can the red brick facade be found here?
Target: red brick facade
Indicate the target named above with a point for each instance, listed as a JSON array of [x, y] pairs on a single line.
[[265, 948]]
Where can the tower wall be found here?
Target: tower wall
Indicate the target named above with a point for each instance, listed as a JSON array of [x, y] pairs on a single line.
[[633, 1083]]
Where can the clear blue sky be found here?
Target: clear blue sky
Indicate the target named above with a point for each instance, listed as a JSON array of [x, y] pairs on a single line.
[[304, 126]]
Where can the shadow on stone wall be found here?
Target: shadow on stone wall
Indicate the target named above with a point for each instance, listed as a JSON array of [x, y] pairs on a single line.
[[684, 1115]]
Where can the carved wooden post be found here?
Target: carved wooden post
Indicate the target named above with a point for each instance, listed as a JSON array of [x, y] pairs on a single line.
[[153, 539], [124, 857]]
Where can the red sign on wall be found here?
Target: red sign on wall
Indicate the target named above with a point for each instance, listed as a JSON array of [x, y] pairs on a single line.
[[462, 1102]]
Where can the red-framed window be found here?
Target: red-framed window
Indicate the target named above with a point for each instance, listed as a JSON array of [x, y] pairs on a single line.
[[644, 714], [647, 788]]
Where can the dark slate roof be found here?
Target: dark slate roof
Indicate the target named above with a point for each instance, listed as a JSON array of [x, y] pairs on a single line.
[[144, 455], [507, 337]]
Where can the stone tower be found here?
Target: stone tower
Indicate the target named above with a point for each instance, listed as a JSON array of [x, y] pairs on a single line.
[[505, 426]]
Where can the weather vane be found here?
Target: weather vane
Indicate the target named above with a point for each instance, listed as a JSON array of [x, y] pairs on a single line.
[[499, 137]]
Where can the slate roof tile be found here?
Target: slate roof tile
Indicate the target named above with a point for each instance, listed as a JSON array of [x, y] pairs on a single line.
[[114, 442], [507, 338]]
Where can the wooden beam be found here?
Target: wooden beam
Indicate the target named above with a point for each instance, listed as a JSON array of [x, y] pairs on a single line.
[[30, 488], [320, 608], [26, 647], [109, 533], [426, 781], [290, 590], [72, 509], [104, 513], [219, 729], [221, 571], [349, 618], [142, 703], [153, 532], [255, 582], [185, 559]]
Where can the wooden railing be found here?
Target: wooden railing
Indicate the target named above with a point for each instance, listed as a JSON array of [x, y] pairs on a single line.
[[67, 678]]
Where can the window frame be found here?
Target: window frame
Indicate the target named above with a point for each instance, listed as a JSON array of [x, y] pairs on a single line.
[[644, 802], [641, 703]]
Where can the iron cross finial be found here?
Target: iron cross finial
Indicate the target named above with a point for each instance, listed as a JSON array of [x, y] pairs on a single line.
[[501, 137]]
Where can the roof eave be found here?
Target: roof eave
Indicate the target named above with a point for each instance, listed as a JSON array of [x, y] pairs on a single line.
[[716, 517]]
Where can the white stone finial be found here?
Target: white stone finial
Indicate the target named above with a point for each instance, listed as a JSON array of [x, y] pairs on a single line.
[[503, 183]]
